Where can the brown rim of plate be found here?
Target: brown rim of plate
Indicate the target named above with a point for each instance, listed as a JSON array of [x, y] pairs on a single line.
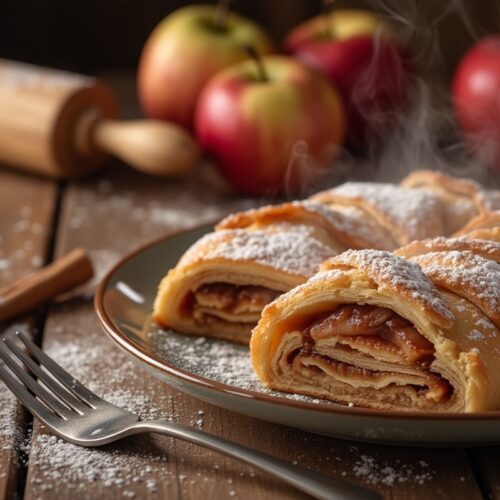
[[186, 376]]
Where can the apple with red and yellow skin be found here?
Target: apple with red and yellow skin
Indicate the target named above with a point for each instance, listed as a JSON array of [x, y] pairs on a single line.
[[184, 51], [363, 60], [476, 99], [270, 134]]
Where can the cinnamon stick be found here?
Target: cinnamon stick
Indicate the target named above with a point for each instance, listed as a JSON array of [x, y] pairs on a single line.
[[62, 275]]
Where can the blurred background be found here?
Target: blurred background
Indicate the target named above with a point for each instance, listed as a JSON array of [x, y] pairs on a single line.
[[105, 38], [102, 35]]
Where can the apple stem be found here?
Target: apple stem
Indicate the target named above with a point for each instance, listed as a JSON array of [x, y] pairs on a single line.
[[327, 9], [252, 52], [221, 13]]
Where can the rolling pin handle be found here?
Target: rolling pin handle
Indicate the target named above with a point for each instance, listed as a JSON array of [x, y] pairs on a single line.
[[151, 146]]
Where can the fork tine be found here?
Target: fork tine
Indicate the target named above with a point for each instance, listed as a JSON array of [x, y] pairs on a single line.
[[59, 390], [38, 409], [75, 387], [34, 386]]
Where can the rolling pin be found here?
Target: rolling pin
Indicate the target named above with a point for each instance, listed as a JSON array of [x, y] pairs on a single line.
[[64, 125]]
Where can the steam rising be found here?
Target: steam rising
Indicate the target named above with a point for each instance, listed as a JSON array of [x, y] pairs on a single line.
[[425, 134]]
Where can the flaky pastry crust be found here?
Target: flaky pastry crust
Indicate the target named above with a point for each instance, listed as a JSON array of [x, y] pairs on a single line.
[[406, 214], [220, 285], [463, 198], [486, 221], [487, 249], [465, 341]]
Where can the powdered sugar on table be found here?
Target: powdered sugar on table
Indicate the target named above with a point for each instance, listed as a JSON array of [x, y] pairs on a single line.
[[216, 360]]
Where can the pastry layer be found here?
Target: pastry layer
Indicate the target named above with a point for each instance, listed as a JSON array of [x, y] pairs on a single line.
[[463, 199], [373, 330], [237, 304], [278, 247], [366, 347], [223, 281], [405, 214]]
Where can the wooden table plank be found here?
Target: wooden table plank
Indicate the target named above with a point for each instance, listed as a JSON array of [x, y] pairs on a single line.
[[110, 214], [26, 211], [486, 463]]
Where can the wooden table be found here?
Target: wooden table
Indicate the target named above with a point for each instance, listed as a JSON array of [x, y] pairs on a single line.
[[110, 214]]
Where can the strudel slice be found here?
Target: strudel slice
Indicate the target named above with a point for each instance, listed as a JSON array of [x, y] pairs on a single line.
[[222, 283], [379, 330]]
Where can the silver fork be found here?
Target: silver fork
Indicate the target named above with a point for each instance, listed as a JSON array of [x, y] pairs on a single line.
[[79, 416]]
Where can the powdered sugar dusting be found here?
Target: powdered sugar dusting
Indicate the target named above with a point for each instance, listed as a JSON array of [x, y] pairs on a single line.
[[476, 335], [411, 209], [486, 324], [20, 260], [86, 358], [117, 468], [123, 468], [484, 248], [213, 359], [287, 247], [10, 409], [373, 472], [221, 361], [349, 224], [9, 412], [398, 275], [165, 206], [353, 222], [466, 274]]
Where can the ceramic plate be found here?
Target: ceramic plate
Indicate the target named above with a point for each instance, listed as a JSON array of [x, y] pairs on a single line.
[[220, 373]]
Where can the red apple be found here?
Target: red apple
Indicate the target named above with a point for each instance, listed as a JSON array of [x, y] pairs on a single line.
[[271, 132], [476, 97], [356, 52], [184, 51]]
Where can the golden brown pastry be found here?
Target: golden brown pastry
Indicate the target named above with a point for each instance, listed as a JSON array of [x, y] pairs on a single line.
[[347, 225], [463, 198], [222, 283], [484, 248], [485, 226], [400, 214], [379, 330]]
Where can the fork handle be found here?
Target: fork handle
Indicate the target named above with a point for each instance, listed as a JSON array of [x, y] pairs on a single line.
[[315, 484]]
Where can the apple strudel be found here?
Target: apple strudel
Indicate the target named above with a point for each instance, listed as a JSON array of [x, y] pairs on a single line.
[[401, 214], [379, 330], [223, 282]]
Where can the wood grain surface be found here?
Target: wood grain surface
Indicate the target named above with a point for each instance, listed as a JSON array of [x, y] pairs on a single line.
[[27, 207], [107, 215]]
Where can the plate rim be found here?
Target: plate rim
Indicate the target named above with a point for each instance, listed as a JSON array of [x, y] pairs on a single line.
[[187, 377]]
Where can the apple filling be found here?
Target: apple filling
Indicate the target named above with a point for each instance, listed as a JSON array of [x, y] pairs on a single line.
[[233, 303], [368, 347]]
